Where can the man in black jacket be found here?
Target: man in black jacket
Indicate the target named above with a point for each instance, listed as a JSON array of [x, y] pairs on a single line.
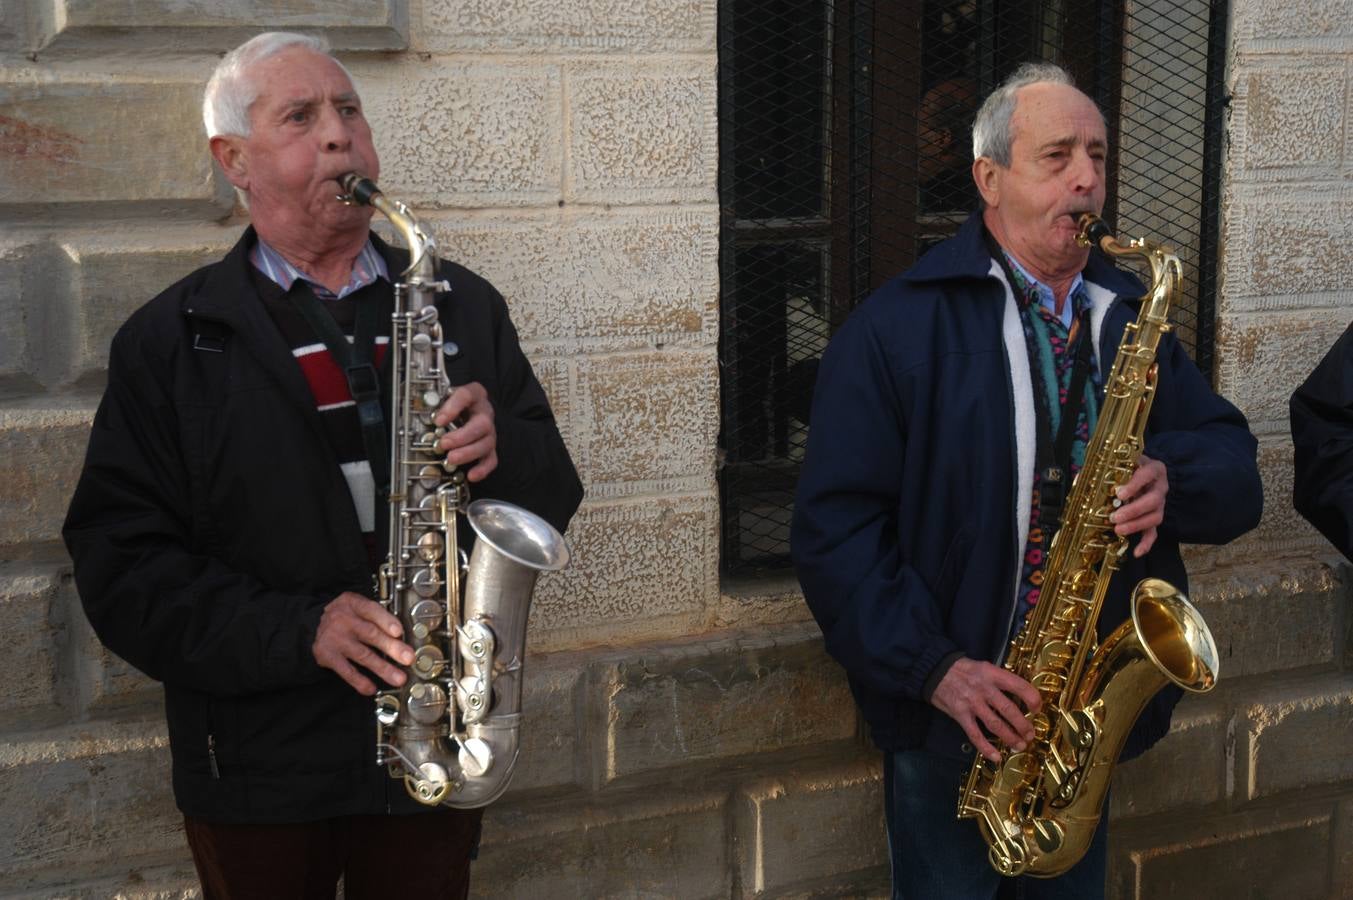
[[1322, 436], [224, 530]]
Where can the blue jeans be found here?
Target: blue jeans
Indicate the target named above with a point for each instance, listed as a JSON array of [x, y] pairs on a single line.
[[937, 856]]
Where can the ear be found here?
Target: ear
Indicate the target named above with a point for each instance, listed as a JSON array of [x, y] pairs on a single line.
[[987, 176], [229, 152]]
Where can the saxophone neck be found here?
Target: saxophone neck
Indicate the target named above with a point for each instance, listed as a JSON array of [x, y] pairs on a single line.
[[422, 270], [1166, 270]]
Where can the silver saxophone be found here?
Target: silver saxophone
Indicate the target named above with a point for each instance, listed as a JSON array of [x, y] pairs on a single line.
[[452, 731]]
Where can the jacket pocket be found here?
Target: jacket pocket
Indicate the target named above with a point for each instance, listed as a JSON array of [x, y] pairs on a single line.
[[951, 569]]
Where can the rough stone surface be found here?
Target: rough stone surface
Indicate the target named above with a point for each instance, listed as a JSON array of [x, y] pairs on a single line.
[[130, 879], [129, 24], [20, 316], [809, 826], [29, 638], [622, 280], [1197, 744], [1266, 619], [69, 142], [616, 25], [660, 844], [643, 134], [1277, 853], [1296, 736], [1262, 357], [41, 452], [1281, 530], [464, 134], [1315, 24], [1292, 116], [550, 737], [649, 425], [639, 569], [719, 699], [1276, 251]]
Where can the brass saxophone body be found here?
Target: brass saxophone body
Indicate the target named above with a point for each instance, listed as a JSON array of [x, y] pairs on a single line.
[[1038, 809], [452, 731]]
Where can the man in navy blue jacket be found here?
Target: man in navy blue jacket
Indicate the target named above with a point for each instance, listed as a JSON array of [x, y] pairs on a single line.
[[919, 526]]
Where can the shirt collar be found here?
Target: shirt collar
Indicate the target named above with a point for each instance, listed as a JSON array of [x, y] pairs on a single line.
[[368, 267], [1028, 289]]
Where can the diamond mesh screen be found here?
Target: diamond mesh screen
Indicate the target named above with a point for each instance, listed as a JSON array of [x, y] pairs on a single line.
[[845, 154]]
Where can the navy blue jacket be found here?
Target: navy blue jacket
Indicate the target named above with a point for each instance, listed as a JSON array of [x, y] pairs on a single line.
[[1322, 437], [913, 501]]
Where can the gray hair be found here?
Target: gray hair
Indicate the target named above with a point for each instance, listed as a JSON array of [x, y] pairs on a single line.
[[230, 92], [991, 132]]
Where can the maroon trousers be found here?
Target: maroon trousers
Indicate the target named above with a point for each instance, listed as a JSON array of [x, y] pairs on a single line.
[[424, 855]]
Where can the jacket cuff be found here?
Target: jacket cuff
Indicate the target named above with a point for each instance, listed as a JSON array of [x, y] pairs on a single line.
[[938, 673]]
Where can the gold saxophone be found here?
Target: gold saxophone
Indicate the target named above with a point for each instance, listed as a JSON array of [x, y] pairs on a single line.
[[1038, 809], [452, 731]]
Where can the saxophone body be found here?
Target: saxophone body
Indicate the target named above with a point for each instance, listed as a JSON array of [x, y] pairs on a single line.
[[1038, 809], [452, 731]]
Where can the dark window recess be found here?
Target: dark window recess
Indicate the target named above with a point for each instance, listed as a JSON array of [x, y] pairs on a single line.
[[845, 153]]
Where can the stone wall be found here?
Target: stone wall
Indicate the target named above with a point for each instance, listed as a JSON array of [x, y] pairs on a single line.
[[683, 739]]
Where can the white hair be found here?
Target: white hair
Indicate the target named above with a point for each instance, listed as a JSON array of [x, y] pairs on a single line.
[[992, 136], [231, 90]]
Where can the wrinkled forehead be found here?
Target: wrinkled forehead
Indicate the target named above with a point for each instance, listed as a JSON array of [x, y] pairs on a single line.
[[1057, 112], [299, 74]]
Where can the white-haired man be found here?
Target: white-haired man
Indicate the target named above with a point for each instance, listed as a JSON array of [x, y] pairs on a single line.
[[922, 513], [224, 530]]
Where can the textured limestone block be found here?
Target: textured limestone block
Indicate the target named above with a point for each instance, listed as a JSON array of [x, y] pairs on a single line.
[[1198, 744], [150, 24], [549, 732], [1262, 25], [1281, 252], [648, 423], [1277, 853], [30, 635], [664, 843], [21, 310], [1281, 530], [1271, 618], [639, 570], [109, 684], [1297, 735], [614, 281], [41, 452], [643, 133], [1292, 117], [555, 378], [86, 794], [83, 142], [673, 705], [1262, 357], [112, 275], [465, 134], [124, 879], [809, 826], [621, 25]]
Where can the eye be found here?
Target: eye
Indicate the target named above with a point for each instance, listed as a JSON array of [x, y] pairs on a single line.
[[298, 116]]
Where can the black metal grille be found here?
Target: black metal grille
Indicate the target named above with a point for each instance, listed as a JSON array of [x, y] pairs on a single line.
[[845, 154]]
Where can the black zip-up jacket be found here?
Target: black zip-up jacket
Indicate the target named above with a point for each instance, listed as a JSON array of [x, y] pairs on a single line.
[[1322, 435], [212, 524]]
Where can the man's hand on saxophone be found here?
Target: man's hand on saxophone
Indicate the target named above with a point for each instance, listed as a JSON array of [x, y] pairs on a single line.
[[357, 631], [977, 694], [474, 440], [1143, 504]]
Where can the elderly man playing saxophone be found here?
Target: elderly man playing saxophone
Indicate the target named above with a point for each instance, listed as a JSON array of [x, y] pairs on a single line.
[[923, 516], [225, 529]]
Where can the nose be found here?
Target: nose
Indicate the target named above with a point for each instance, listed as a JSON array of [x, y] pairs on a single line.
[[334, 132], [1084, 172]]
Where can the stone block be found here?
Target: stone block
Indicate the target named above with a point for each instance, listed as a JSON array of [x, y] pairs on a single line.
[[21, 312], [666, 706], [1198, 743], [86, 794], [1343, 846], [647, 423], [112, 275], [1281, 530], [643, 133], [1263, 356], [108, 684], [664, 843], [555, 377], [455, 135], [615, 25], [150, 25], [1296, 735], [549, 737], [1259, 25], [125, 879], [809, 827], [80, 142], [31, 632], [41, 452], [1274, 853], [640, 570], [14, 27], [1268, 619], [602, 281], [1292, 117], [1276, 250]]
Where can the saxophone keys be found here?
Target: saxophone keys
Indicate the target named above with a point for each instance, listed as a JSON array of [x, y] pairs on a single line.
[[427, 703]]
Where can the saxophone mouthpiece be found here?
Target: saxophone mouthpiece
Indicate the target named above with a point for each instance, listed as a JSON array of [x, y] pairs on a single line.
[[1093, 231], [357, 190]]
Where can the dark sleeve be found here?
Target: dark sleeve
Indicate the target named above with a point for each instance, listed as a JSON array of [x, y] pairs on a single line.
[[878, 617], [1322, 437], [177, 615], [1215, 494], [534, 468]]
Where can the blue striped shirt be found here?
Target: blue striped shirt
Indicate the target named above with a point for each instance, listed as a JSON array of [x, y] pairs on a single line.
[[369, 266]]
